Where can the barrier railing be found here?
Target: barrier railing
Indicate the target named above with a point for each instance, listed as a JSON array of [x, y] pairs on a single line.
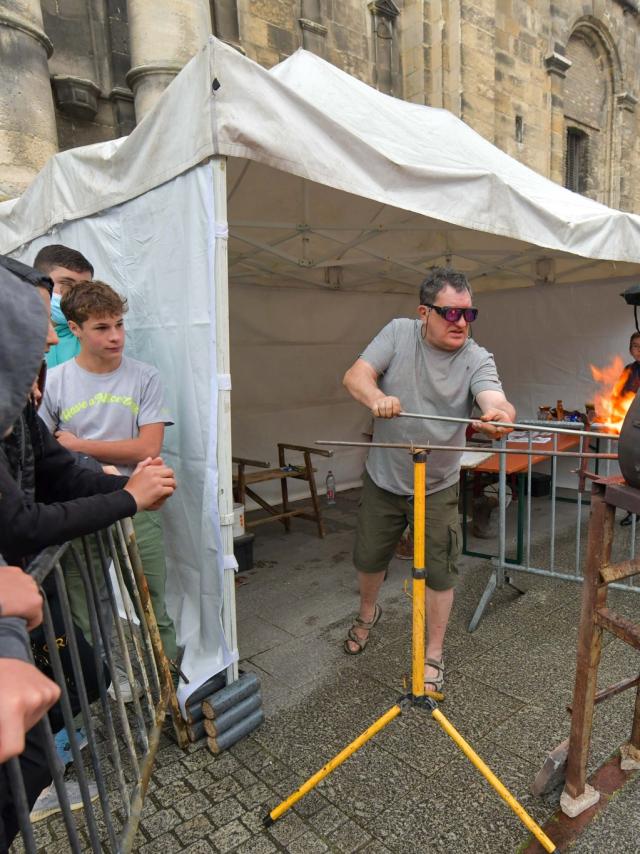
[[122, 740], [537, 550]]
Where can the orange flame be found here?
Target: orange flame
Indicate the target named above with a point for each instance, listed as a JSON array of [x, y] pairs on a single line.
[[611, 403]]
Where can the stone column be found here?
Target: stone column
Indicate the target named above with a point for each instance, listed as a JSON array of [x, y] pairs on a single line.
[[163, 36], [28, 134], [557, 65], [623, 179]]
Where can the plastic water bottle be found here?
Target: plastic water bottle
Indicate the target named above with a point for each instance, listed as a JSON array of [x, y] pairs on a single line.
[[330, 483]]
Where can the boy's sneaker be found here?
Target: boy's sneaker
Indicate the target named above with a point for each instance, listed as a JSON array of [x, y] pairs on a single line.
[[125, 687], [48, 803], [63, 743]]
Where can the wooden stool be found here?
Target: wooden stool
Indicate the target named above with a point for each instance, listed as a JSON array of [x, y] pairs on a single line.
[[243, 479]]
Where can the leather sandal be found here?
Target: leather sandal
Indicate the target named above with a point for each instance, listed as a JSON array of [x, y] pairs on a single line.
[[359, 623], [436, 681]]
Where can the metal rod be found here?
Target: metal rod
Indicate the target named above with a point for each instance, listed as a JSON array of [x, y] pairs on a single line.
[[511, 425], [502, 508], [529, 489], [427, 447], [132, 587], [21, 804], [67, 712], [554, 484], [133, 634], [76, 664], [99, 629], [148, 616], [125, 659], [579, 523], [141, 641]]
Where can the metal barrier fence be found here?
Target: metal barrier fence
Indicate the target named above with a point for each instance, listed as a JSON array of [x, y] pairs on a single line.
[[122, 740], [529, 553]]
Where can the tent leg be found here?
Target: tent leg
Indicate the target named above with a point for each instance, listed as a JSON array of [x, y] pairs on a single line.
[[225, 479]]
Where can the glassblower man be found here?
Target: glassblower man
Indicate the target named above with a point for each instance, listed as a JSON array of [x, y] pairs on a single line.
[[431, 366]]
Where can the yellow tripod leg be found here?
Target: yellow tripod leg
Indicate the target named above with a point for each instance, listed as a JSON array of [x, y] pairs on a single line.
[[348, 751], [491, 778]]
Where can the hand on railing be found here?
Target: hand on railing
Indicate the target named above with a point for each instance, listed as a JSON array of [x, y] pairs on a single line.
[[151, 483], [20, 596], [25, 696]]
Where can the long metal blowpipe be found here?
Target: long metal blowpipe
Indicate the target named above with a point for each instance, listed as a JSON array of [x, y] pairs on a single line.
[[538, 427], [416, 446]]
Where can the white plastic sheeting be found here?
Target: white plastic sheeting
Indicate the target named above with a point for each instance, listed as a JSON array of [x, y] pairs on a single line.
[[163, 262]]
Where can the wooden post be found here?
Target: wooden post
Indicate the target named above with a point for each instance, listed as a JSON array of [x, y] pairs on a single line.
[[594, 596]]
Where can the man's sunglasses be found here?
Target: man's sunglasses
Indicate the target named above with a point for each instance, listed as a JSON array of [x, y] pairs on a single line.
[[453, 315]]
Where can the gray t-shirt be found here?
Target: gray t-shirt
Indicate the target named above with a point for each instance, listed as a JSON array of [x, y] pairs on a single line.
[[106, 407], [432, 382]]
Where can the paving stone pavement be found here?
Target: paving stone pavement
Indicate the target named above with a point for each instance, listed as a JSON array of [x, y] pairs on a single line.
[[410, 789]]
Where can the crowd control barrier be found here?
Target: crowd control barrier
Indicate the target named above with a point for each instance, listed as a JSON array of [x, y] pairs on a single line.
[[122, 739], [551, 543]]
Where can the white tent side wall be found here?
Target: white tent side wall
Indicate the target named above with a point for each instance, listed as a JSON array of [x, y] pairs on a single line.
[[289, 351], [545, 338], [159, 250]]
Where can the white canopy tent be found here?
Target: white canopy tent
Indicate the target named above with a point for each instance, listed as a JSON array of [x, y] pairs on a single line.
[[339, 200]]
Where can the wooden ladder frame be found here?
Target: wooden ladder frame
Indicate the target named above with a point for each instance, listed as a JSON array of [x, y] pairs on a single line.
[[595, 618], [243, 480]]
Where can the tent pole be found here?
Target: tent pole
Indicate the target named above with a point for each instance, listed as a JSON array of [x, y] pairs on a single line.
[[225, 488]]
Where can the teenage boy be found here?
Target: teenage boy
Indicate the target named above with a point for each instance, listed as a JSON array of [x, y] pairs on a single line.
[[65, 267], [110, 407]]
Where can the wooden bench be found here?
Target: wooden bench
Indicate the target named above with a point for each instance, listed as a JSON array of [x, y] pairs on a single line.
[[244, 480]]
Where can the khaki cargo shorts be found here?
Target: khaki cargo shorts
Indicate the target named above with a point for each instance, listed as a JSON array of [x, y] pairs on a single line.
[[382, 519]]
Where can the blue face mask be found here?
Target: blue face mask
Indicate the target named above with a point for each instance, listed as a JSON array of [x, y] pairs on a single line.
[[56, 312]]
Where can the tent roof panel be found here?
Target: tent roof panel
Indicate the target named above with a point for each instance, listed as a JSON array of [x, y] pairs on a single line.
[[314, 148]]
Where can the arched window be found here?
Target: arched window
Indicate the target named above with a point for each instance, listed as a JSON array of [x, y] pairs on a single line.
[[588, 114]]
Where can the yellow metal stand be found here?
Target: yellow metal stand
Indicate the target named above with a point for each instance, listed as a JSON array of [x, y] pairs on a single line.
[[418, 698]]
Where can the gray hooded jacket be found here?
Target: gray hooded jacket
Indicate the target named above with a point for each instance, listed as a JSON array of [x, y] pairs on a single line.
[[23, 332]]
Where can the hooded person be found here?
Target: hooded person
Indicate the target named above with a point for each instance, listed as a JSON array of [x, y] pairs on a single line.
[[23, 333]]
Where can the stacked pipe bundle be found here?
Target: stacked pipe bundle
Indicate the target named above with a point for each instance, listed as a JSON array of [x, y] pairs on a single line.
[[225, 713]]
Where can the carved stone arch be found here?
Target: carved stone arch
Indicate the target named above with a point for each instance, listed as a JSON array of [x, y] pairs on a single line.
[[594, 28], [586, 83]]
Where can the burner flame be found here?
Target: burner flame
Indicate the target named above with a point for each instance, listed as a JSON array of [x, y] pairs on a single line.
[[610, 401]]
